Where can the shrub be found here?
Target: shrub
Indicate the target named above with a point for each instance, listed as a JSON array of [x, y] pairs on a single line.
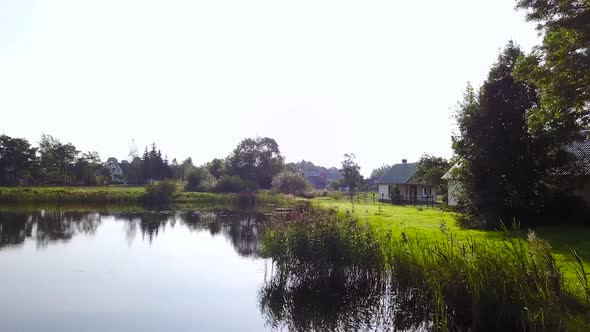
[[229, 184], [200, 179], [160, 192], [288, 182]]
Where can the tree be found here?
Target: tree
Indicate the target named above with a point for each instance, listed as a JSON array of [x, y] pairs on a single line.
[[499, 176], [176, 170], [560, 69], [352, 174], [229, 184], [380, 171], [256, 161], [217, 167], [199, 179], [187, 166], [87, 167], [17, 157], [56, 158], [431, 169], [288, 182]]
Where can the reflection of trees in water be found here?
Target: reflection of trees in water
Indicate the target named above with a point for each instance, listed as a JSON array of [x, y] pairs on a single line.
[[304, 299], [242, 229], [14, 228], [45, 226]]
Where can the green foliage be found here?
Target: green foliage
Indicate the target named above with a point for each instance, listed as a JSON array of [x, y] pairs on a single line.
[[56, 159], [17, 158], [199, 179], [153, 166], [256, 161], [431, 169], [352, 175], [288, 182], [380, 171], [217, 168], [159, 193], [229, 184], [559, 67], [501, 162], [72, 194]]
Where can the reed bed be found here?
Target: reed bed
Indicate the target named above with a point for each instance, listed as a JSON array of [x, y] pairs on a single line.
[[467, 284]]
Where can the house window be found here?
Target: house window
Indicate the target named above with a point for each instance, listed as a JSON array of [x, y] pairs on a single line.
[[426, 191]]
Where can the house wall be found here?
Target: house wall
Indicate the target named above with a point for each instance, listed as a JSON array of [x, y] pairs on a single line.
[[453, 192], [403, 190], [383, 191]]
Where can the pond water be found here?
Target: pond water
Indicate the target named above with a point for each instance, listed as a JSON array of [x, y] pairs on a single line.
[[197, 269], [68, 270]]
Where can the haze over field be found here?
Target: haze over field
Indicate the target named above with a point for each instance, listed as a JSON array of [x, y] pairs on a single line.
[[323, 78]]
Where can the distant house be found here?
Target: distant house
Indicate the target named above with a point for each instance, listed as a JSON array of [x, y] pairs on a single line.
[[117, 175], [581, 152], [401, 185]]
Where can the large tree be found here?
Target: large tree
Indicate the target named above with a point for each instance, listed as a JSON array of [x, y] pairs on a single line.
[[431, 169], [256, 161], [500, 174], [380, 171], [560, 69], [56, 159], [17, 158]]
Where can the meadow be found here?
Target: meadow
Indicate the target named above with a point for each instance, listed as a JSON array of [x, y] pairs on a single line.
[[427, 224]]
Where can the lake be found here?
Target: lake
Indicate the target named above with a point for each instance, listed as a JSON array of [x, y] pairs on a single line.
[[194, 269]]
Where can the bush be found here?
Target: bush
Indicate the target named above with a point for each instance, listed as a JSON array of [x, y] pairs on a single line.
[[200, 179], [288, 182], [229, 184], [160, 192]]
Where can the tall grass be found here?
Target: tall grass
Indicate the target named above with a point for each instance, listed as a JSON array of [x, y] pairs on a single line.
[[481, 285]]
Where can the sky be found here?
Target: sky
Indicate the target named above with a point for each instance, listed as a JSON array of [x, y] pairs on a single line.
[[380, 79]]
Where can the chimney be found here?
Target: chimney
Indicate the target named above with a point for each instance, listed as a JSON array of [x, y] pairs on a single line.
[[404, 161]]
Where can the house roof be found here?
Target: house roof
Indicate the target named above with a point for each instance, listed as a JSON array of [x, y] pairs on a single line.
[[399, 174], [581, 151], [449, 174]]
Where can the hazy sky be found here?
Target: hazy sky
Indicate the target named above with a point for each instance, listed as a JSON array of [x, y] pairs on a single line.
[[377, 78]]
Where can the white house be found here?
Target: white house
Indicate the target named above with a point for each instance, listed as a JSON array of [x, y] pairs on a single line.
[[117, 175], [405, 187]]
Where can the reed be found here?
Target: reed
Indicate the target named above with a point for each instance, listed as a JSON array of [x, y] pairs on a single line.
[[466, 283]]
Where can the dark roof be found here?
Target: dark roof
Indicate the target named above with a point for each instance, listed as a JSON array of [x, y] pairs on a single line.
[[581, 151], [399, 173]]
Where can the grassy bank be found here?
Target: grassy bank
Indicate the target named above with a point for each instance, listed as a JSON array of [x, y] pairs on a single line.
[[413, 281], [425, 223], [126, 195]]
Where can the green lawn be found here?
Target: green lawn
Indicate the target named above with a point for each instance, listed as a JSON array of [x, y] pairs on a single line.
[[426, 223]]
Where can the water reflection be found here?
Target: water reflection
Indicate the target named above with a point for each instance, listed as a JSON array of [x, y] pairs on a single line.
[[305, 299], [55, 225]]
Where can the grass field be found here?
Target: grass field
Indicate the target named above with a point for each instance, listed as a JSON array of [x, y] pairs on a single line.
[[426, 223]]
